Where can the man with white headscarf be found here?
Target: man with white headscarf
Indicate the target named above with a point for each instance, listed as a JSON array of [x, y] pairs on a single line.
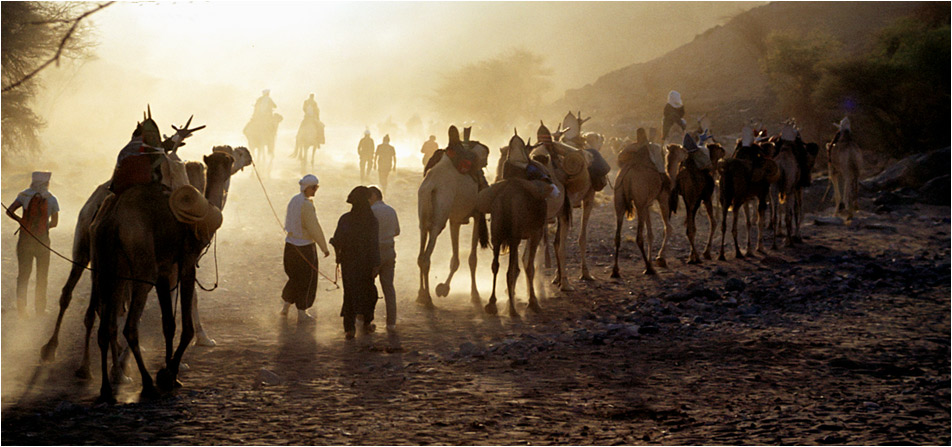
[[300, 250], [40, 214], [264, 106], [673, 114]]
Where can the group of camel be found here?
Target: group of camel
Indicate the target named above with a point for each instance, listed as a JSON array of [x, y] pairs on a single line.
[[261, 135], [135, 242], [769, 172]]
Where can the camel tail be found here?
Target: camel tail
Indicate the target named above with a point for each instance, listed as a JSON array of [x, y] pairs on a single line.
[[482, 229], [567, 210], [727, 185]]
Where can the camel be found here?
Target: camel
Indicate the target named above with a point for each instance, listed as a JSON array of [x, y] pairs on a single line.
[[579, 186], [845, 165], [518, 212], [137, 237], [744, 177], [637, 185], [696, 186], [310, 135], [449, 195], [81, 256], [261, 136], [796, 159]]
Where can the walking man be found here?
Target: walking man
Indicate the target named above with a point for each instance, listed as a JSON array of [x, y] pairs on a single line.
[[358, 253], [40, 214], [300, 250], [388, 227], [365, 149], [385, 160]]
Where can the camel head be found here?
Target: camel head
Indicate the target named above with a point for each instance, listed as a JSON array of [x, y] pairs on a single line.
[[676, 155], [217, 177]]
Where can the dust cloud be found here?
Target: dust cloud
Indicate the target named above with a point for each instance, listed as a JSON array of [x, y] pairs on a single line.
[[370, 65]]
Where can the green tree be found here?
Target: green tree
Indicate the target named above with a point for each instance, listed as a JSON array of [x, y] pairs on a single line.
[[898, 94], [795, 67], [35, 35], [496, 92]]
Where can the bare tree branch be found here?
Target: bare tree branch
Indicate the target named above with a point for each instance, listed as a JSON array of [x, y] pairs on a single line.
[[59, 50]]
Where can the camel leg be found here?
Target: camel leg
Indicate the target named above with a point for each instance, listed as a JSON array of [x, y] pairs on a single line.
[[712, 221], [619, 220], [725, 208], [48, 351], [83, 371], [131, 332], [761, 217], [798, 213], [167, 378], [491, 306], [511, 276], [561, 278], [474, 246], [443, 289], [545, 246], [168, 319], [737, 253], [750, 234], [587, 206], [532, 245], [666, 232], [201, 339], [107, 330], [643, 221], [690, 230], [423, 261]]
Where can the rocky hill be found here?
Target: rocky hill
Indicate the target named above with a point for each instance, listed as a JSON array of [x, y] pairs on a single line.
[[718, 73]]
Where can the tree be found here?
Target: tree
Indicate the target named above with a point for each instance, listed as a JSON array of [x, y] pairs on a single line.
[[795, 67], [898, 94], [35, 35], [495, 92]]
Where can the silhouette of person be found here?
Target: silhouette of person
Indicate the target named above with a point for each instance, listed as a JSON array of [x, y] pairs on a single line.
[[264, 106], [358, 253], [673, 114], [385, 160], [429, 148], [365, 150], [40, 214]]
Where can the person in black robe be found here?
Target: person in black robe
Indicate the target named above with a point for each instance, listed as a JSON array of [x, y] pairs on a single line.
[[355, 244]]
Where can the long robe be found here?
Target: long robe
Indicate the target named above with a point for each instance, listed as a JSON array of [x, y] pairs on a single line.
[[358, 253]]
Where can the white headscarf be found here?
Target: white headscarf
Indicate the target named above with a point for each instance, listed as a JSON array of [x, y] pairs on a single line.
[[308, 180], [747, 136], [39, 184], [674, 98], [292, 221]]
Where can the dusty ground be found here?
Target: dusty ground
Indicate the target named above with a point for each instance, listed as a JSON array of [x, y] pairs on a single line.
[[841, 340]]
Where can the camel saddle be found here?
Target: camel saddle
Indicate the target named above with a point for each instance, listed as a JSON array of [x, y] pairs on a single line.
[[191, 208], [538, 189], [648, 155]]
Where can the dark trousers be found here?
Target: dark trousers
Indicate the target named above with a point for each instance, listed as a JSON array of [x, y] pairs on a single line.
[[365, 167], [28, 251], [301, 288]]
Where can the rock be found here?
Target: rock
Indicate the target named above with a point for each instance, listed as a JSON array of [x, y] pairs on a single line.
[[267, 377], [720, 271], [936, 191], [735, 285], [649, 329], [913, 171], [826, 220]]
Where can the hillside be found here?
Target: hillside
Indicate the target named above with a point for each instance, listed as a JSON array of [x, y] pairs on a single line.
[[718, 73]]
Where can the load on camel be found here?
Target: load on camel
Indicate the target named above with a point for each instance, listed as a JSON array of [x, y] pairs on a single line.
[[448, 194], [795, 160], [746, 176], [845, 166], [145, 237], [582, 171]]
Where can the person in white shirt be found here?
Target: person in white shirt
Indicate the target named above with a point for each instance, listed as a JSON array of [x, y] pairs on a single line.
[[388, 228], [300, 250]]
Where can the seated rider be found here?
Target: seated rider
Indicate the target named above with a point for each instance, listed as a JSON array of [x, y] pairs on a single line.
[[138, 162]]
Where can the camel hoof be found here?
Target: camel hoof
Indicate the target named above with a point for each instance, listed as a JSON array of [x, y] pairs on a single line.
[[120, 378], [513, 314], [149, 393], [615, 273], [491, 308], [694, 261], [442, 289], [48, 352], [534, 307], [650, 271], [567, 288], [105, 399], [166, 380], [203, 340], [425, 302], [707, 255], [722, 257], [475, 299], [739, 255], [586, 277], [83, 373], [661, 262]]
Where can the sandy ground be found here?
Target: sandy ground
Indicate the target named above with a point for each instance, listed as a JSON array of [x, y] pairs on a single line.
[[843, 339]]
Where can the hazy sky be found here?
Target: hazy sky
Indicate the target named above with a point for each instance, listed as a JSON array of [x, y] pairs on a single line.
[[365, 61]]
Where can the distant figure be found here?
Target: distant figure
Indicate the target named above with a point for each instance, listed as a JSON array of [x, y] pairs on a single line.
[[40, 214], [358, 253], [388, 227], [300, 250], [385, 160], [311, 111], [264, 107], [365, 149], [429, 148], [673, 114]]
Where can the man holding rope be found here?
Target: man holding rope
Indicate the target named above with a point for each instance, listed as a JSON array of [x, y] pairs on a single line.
[[40, 214], [300, 251]]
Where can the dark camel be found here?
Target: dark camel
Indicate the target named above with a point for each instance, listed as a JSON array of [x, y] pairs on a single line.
[[696, 186], [138, 237], [745, 177]]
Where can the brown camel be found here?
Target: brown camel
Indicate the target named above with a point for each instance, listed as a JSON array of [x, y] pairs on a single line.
[[745, 177], [449, 195], [81, 257], [137, 244], [518, 212], [638, 185], [845, 165], [696, 186]]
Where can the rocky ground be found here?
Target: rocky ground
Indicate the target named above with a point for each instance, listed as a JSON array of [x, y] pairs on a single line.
[[843, 339]]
